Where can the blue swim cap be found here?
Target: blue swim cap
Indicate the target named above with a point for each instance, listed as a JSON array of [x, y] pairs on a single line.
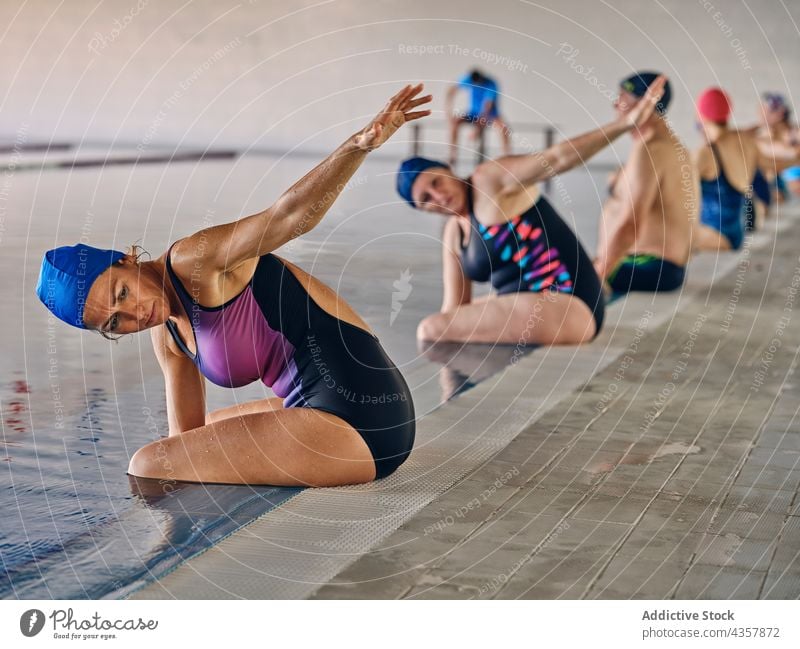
[[408, 172], [790, 174], [66, 276], [638, 83], [776, 101]]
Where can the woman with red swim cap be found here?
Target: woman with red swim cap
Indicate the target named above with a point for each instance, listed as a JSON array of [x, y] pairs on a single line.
[[726, 163]]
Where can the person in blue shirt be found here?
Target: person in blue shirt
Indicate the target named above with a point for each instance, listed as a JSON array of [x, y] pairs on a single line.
[[482, 112], [791, 177]]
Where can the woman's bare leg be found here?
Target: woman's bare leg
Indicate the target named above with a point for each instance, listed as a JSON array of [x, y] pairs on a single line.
[[287, 447], [529, 318], [246, 408]]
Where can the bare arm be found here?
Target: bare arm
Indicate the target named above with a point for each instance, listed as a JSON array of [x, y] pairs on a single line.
[[775, 155], [185, 386], [304, 204], [513, 172], [457, 286], [637, 191]]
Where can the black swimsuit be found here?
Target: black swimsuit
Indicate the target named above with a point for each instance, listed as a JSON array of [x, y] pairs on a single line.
[[533, 252], [273, 331]]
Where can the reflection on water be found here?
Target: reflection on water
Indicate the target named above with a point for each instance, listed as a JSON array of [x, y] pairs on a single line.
[[464, 365], [74, 526]]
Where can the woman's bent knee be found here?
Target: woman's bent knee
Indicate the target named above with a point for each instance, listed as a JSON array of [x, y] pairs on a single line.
[[432, 327], [151, 461]]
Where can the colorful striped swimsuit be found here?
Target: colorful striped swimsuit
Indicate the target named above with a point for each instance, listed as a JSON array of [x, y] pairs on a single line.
[[535, 251]]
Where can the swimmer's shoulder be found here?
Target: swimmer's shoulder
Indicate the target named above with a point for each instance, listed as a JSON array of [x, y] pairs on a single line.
[[213, 286]]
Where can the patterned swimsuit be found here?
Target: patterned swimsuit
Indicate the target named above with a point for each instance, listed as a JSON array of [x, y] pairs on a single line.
[[533, 252]]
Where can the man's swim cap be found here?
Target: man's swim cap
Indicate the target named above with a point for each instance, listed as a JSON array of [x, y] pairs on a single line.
[[714, 105], [638, 83], [408, 172], [66, 276], [775, 102], [791, 174]]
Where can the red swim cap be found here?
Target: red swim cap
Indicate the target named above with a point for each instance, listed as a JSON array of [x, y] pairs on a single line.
[[714, 105]]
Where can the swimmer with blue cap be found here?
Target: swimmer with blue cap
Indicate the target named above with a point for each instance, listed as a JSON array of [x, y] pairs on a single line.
[[220, 305], [500, 228], [779, 145], [791, 177]]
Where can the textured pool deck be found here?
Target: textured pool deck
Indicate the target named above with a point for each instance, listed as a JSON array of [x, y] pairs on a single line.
[[661, 461]]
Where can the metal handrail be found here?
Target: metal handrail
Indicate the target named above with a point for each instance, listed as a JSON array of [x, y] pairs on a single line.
[[548, 132]]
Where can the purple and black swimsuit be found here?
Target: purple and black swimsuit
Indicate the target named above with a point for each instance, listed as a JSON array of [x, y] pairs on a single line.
[[273, 331]]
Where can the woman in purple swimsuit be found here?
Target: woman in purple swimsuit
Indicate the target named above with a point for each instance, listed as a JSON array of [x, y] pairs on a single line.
[[219, 304]]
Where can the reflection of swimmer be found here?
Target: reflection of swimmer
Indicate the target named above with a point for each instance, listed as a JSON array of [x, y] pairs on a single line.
[[727, 164], [153, 492], [500, 228], [464, 365], [645, 228], [235, 313], [483, 110]]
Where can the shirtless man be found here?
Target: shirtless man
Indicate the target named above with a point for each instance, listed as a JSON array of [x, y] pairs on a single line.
[[646, 227]]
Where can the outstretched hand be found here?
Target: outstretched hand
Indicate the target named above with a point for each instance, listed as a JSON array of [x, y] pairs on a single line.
[[644, 108], [397, 112]]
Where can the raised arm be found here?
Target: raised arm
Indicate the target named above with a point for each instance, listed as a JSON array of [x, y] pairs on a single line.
[[304, 204], [513, 172], [776, 155]]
